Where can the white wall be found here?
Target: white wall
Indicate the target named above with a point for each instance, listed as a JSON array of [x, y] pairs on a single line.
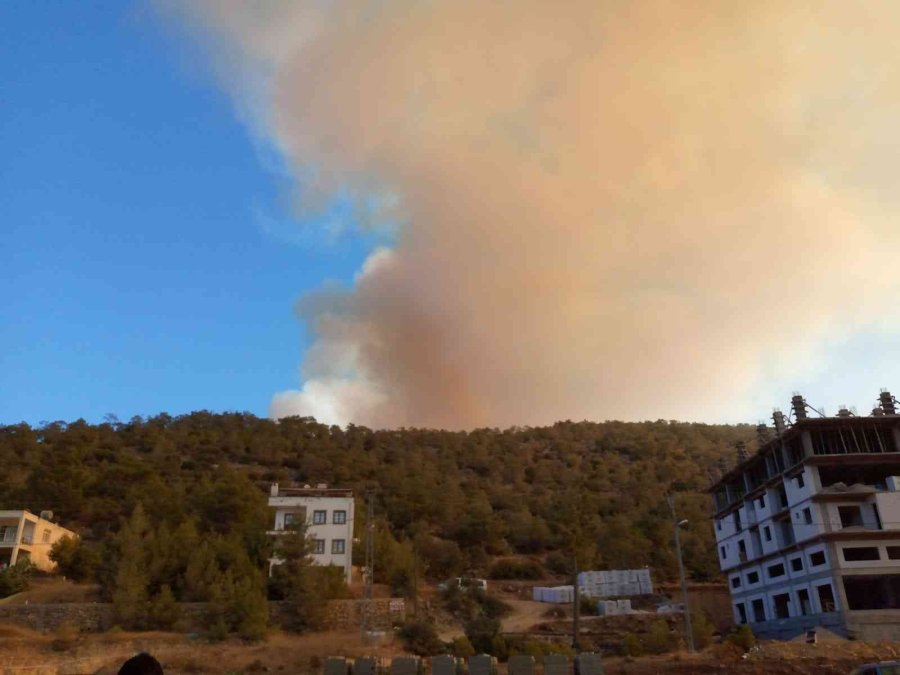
[[329, 531], [796, 494], [888, 504]]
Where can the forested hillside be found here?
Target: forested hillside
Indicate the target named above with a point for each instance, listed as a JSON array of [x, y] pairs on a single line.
[[466, 497]]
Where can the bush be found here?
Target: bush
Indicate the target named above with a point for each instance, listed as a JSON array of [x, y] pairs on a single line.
[[587, 605], [16, 579], [74, 559], [702, 629], [482, 631], [537, 648], [420, 638], [660, 638], [631, 645], [164, 611], [461, 648], [516, 569], [559, 563], [743, 637]]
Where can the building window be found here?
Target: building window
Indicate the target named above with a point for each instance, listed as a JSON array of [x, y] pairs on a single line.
[[719, 525], [762, 501], [776, 571], [893, 552], [800, 483], [826, 598], [722, 552], [320, 517], [759, 610], [782, 605], [817, 558], [872, 592], [45, 536], [293, 520], [807, 516], [767, 532], [857, 553], [742, 612], [340, 517], [318, 546], [752, 577], [797, 564], [803, 602], [735, 582], [337, 545], [8, 532], [851, 516]]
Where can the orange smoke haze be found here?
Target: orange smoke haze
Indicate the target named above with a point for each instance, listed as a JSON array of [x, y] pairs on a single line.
[[609, 209]]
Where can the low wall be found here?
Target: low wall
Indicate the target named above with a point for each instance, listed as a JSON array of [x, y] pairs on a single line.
[[93, 617]]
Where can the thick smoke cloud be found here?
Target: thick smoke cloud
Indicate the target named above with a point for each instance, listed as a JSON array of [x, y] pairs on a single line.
[[609, 209]]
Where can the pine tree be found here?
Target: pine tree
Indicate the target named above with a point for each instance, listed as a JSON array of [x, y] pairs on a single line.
[[130, 589], [304, 595]]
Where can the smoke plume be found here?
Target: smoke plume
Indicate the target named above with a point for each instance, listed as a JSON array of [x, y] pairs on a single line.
[[605, 209]]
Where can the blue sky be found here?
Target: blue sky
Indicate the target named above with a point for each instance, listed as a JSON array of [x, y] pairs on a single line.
[[140, 270]]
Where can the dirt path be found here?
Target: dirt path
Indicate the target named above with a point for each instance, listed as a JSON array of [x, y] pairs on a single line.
[[524, 615]]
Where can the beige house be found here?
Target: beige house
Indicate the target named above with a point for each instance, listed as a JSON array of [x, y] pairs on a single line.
[[25, 536]]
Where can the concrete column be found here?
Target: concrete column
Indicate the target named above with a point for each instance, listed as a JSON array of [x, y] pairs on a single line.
[[806, 440], [20, 529]]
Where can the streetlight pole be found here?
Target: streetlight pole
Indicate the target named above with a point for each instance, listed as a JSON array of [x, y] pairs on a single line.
[[576, 602], [687, 610]]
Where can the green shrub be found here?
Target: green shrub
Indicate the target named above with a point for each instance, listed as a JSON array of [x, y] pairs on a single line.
[[559, 563], [481, 632], [420, 638], [743, 637], [587, 605], [16, 579], [660, 638], [703, 629], [462, 648], [516, 569], [75, 559], [164, 611], [631, 645]]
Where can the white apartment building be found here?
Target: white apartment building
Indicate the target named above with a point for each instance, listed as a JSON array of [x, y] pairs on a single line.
[[328, 515], [808, 528], [25, 536]]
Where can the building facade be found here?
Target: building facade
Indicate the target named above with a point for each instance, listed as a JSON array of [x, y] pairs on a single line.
[[808, 527], [328, 516], [25, 536]]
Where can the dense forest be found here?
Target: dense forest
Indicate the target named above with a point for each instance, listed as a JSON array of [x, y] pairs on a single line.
[[185, 497]]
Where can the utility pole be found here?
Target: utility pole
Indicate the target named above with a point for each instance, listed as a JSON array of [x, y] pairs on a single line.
[[415, 577], [576, 601], [370, 564], [687, 610]]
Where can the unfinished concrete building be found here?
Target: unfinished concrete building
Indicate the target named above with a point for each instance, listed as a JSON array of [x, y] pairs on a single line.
[[808, 527]]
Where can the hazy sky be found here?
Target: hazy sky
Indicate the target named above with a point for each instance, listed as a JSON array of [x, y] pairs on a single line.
[[447, 213]]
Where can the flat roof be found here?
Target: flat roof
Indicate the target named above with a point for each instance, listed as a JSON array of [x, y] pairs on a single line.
[[810, 423]]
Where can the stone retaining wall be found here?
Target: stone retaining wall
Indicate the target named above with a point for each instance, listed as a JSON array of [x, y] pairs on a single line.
[[96, 617]]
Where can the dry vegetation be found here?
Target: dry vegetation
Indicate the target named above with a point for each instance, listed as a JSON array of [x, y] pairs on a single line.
[[24, 652]]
